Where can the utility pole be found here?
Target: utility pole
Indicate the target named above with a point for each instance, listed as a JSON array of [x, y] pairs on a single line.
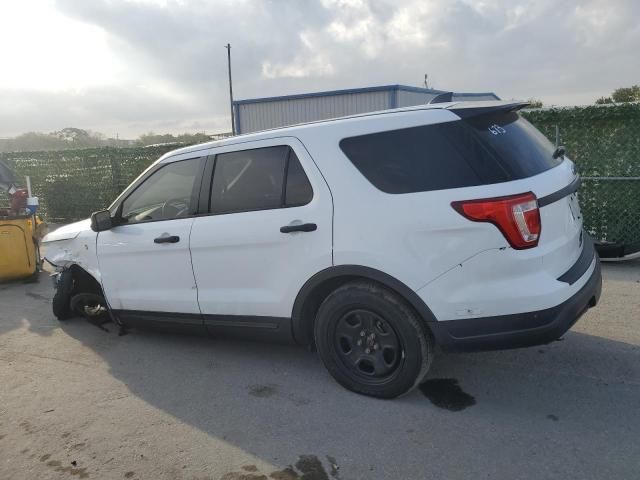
[[233, 123]]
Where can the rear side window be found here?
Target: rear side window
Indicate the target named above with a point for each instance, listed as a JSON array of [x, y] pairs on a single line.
[[478, 151], [298, 190], [258, 179]]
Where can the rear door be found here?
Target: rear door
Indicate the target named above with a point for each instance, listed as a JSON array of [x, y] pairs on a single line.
[[267, 231]]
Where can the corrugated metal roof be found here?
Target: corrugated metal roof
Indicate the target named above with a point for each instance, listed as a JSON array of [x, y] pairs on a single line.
[[327, 93], [257, 114]]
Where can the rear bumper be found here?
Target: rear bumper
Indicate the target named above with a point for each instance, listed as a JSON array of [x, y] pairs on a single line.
[[522, 329]]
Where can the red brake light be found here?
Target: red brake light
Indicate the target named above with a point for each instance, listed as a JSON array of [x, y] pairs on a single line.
[[516, 216]]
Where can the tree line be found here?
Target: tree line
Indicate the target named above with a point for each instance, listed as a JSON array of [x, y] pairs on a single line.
[[77, 138], [621, 95]]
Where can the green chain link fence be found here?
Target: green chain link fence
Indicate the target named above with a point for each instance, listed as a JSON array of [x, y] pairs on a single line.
[[71, 184], [603, 141]]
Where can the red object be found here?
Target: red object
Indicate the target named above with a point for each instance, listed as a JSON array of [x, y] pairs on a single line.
[[516, 216], [19, 200]]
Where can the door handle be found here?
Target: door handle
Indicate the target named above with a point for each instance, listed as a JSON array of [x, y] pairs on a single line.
[[303, 227], [167, 239]]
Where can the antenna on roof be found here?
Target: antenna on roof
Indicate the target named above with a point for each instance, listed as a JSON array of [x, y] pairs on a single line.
[[233, 120], [426, 80], [442, 98]]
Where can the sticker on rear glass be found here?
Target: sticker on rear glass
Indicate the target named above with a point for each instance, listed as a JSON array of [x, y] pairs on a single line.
[[497, 130]]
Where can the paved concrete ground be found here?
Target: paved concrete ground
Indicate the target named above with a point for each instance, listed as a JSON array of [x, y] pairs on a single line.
[[77, 402]]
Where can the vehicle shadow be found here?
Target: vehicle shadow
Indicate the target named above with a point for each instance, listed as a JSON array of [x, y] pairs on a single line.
[[277, 402]]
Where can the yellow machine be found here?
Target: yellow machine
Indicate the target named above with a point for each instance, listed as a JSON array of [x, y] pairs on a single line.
[[20, 229], [18, 251]]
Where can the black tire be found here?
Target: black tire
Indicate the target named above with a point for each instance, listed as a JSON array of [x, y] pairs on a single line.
[[393, 354], [61, 299]]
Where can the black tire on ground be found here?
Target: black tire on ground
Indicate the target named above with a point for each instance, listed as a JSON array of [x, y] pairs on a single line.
[[371, 341], [61, 299]]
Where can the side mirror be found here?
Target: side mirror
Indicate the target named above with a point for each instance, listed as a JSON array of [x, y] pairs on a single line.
[[559, 152], [101, 221]]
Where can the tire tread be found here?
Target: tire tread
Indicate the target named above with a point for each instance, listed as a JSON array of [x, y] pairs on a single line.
[[61, 299], [351, 289]]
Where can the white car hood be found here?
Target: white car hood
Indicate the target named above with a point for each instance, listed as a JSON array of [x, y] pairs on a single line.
[[68, 232]]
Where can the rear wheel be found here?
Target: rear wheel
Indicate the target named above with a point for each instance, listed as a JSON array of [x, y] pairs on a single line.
[[371, 341]]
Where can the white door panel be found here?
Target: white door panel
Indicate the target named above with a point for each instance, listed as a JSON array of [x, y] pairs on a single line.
[[139, 274], [244, 264]]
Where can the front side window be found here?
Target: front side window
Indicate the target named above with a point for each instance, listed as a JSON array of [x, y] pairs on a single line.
[[165, 195], [254, 179]]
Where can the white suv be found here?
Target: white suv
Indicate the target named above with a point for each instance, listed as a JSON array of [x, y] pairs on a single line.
[[372, 238]]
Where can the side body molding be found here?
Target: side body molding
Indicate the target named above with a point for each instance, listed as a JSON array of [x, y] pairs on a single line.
[[306, 302]]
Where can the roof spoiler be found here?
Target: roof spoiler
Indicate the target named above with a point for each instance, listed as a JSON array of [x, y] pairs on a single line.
[[443, 97], [464, 112]]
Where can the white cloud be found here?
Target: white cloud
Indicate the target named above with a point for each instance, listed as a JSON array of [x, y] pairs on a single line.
[[300, 67], [134, 65], [43, 49]]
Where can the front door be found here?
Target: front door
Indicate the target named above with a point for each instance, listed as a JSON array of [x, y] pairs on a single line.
[[145, 261], [268, 230]]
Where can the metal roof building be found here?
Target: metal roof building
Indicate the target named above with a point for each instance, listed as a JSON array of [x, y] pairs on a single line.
[[263, 113]]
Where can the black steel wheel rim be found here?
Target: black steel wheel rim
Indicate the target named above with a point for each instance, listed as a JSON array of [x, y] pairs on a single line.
[[368, 346]]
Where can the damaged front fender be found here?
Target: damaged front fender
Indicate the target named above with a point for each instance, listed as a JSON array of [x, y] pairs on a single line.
[[73, 244]]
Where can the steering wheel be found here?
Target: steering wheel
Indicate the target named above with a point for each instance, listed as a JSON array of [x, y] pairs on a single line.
[[174, 208]]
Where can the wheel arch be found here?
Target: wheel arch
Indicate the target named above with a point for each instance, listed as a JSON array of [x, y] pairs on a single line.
[[87, 281], [316, 289]]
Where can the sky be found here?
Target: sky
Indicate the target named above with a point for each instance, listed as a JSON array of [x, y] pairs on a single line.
[[126, 67]]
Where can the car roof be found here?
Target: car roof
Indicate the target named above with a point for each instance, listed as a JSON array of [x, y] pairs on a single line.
[[466, 108]]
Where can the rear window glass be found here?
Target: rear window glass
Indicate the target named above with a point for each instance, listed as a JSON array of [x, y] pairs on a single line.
[[258, 179], [248, 180], [475, 151], [298, 190], [521, 149]]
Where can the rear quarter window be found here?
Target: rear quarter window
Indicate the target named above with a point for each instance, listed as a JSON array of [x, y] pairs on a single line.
[[481, 150]]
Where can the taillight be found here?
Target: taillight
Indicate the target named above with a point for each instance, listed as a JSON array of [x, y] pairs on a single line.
[[516, 216]]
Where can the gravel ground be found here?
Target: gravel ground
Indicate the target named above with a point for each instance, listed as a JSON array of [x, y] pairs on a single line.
[[79, 402]]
